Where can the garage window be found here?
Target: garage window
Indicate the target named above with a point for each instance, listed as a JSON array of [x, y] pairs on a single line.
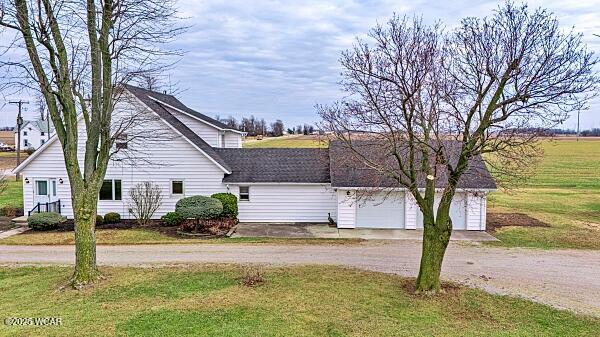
[[244, 193]]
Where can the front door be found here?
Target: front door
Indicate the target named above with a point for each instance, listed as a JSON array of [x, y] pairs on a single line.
[[41, 191]]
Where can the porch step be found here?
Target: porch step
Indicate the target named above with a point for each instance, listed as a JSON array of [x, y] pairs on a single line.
[[22, 220]]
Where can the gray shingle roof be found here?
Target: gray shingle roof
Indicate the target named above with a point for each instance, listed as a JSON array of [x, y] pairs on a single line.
[[174, 102], [278, 165], [347, 171], [162, 111]]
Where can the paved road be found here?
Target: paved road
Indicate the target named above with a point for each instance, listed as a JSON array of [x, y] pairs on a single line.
[[562, 278]]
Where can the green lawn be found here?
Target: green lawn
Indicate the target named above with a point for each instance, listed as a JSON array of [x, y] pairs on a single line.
[[564, 192], [299, 141], [294, 301], [13, 195], [145, 236]]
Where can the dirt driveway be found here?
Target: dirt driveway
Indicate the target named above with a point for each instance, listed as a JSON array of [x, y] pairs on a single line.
[[562, 278]]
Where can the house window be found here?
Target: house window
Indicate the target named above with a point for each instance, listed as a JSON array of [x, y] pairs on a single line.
[[110, 190], [41, 187], [244, 193], [177, 187], [24, 133], [42, 141], [222, 140], [121, 141], [42, 133], [25, 142]]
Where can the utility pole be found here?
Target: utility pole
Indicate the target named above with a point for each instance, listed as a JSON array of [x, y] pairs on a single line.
[[19, 103], [578, 112]]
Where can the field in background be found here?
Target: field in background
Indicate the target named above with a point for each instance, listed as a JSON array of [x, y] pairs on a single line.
[[564, 192], [307, 301], [295, 141]]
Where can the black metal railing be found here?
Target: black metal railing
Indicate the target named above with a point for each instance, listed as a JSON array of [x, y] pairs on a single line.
[[46, 207]]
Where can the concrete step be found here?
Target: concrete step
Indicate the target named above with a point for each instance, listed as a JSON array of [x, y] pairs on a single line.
[[22, 220]]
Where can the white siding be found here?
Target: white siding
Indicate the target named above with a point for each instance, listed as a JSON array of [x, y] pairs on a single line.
[[287, 203], [205, 131], [410, 211], [159, 162], [346, 209], [210, 134], [476, 211], [233, 139], [465, 212]]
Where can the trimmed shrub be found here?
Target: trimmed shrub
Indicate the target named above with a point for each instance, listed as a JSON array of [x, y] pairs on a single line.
[[99, 220], [199, 207], [44, 221], [172, 219], [112, 217], [229, 201]]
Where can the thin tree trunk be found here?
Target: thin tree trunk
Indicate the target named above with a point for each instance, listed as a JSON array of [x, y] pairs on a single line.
[[436, 236], [86, 271]]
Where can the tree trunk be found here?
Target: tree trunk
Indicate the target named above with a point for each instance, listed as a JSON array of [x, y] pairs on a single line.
[[436, 236], [84, 208]]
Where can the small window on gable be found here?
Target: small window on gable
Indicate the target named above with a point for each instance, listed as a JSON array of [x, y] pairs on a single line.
[[244, 193], [121, 141], [24, 133], [42, 133], [177, 187], [222, 140]]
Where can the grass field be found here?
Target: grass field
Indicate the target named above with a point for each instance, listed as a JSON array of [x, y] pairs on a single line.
[[294, 301], [287, 141], [564, 192], [13, 195]]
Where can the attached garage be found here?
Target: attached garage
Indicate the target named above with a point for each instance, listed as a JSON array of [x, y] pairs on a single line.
[[381, 210], [458, 211]]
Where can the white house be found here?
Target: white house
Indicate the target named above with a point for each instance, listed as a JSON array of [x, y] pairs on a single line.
[[204, 156], [34, 133]]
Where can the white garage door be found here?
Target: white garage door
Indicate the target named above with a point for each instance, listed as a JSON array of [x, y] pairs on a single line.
[[381, 211], [458, 212]]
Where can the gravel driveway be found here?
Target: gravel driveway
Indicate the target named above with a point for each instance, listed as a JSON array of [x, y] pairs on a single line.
[[562, 278]]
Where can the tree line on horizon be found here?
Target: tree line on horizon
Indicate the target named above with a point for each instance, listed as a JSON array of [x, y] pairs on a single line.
[[255, 127]]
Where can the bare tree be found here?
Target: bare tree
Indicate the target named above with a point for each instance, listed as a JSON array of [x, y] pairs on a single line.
[[77, 54], [277, 128], [146, 199], [424, 105]]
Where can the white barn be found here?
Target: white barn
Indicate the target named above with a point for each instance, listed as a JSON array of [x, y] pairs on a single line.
[[203, 156]]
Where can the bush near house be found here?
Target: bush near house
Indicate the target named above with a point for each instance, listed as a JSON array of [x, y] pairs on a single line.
[[99, 219], [112, 217], [199, 207], [172, 219], [44, 221], [229, 201]]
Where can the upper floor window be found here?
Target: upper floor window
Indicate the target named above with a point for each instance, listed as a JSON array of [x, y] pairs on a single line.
[[42, 133], [110, 190], [121, 141], [24, 133], [25, 142], [222, 140]]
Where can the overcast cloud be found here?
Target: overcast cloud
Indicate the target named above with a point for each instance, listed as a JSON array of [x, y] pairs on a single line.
[[277, 59]]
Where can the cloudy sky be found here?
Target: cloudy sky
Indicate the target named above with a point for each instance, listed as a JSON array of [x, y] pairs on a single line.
[[277, 59]]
